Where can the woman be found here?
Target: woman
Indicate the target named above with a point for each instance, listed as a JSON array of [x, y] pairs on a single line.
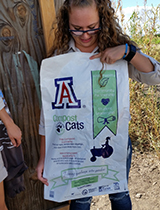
[[90, 26], [15, 135]]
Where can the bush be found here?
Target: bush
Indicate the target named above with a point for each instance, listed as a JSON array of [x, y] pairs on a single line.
[[144, 127]]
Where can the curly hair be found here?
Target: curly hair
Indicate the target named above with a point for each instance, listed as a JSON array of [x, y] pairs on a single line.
[[110, 35]]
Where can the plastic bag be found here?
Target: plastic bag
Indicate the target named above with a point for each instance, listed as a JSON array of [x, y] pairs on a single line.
[[86, 126]]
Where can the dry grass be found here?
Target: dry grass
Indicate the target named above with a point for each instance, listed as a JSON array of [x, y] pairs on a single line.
[[144, 127]]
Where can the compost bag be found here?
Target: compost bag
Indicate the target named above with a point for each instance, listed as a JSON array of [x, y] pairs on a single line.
[[86, 114]]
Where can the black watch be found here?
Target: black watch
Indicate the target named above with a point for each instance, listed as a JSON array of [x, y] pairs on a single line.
[[131, 54]]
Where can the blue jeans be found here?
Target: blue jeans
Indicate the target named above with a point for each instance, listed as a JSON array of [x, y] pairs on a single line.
[[81, 204], [122, 201], [119, 201]]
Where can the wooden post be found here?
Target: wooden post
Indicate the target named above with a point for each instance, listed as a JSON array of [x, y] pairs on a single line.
[[48, 15]]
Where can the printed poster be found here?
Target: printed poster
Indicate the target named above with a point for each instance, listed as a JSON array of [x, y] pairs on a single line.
[[86, 126]]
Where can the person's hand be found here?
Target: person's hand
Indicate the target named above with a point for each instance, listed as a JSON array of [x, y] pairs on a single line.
[[13, 130], [110, 55], [14, 133], [39, 170]]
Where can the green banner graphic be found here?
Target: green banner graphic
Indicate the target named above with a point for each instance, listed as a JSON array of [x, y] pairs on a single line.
[[81, 176], [104, 95]]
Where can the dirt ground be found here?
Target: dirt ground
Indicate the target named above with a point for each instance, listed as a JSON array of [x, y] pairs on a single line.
[[144, 184]]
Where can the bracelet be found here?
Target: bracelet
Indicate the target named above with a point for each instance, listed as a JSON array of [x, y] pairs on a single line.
[[131, 54], [125, 51]]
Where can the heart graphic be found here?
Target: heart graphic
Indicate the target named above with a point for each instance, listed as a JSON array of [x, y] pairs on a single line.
[[105, 101]]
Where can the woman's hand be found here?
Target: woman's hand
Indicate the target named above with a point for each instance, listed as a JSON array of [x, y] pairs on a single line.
[[40, 165], [39, 170], [110, 55]]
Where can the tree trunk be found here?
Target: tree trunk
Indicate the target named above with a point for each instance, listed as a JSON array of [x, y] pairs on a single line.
[[21, 52]]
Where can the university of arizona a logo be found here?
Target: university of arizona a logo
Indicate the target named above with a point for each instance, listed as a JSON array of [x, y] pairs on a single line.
[[65, 96]]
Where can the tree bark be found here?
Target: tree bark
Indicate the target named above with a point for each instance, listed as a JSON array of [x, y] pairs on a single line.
[[21, 52]]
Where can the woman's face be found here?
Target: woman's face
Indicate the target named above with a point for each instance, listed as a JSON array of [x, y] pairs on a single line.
[[86, 18]]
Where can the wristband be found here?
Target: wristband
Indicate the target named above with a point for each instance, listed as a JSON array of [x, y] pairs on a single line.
[[131, 54], [125, 51]]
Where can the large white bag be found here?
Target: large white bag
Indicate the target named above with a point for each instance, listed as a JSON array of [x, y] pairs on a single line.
[[86, 126]]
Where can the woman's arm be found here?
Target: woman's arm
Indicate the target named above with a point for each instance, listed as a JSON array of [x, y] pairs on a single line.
[[142, 63], [142, 67], [40, 166], [111, 55]]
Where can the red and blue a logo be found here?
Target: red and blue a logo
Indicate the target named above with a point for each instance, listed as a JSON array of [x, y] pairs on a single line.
[[65, 96]]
